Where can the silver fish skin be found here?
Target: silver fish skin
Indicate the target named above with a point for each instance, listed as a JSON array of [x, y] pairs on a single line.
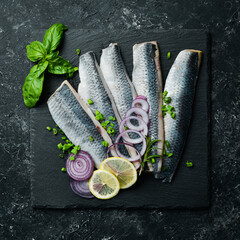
[[147, 79], [116, 78], [77, 121], [91, 86], [180, 85]]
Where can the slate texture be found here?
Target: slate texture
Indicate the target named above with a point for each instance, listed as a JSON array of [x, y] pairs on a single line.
[[18, 19], [190, 187]]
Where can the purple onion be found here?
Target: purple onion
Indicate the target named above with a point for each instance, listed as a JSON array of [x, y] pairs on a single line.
[[141, 102], [139, 112], [81, 188], [82, 167]]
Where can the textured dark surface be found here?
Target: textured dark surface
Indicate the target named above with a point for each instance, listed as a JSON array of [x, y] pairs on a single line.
[[190, 187], [19, 221]]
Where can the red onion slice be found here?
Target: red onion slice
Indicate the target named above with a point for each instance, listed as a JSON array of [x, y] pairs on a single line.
[[142, 127], [82, 167], [141, 103], [139, 112], [141, 97], [81, 188], [137, 163], [126, 137], [132, 141]]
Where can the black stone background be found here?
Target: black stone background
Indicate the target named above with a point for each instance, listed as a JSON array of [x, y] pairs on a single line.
[[19, 221]]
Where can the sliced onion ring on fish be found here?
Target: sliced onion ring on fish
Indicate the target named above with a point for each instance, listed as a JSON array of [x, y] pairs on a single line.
[[142, 103], [141, 97], [81, 188], [142, 126], [126, 137], [132, 141], [136, 162], [139, 112], [82, 167]]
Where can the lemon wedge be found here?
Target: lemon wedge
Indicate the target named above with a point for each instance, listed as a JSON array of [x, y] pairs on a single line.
[[103, 184], [123, 169]]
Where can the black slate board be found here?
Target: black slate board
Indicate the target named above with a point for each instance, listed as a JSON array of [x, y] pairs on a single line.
[[190, 186]]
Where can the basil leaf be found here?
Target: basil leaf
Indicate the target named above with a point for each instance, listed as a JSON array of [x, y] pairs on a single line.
[[33, 84], [53, 37], [36, 51], [52, 55], [60, 65]]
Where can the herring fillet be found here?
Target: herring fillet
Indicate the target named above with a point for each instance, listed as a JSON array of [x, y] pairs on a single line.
[[147, 80], [91, 86], [116, 78], [73, 116], [180, 85]]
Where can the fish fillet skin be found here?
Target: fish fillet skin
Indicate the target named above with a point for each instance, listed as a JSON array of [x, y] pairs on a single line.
[[147, 79], [116, 78], [180, 85], [73, 116], [91, 86]]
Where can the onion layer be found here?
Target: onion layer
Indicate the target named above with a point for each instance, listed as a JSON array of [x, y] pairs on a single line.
[[139, 112], [81, 188], [142, 127], [82, 167], [142, 103]]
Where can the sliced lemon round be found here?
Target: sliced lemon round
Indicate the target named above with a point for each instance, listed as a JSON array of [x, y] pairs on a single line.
[[123, 169], [103, 184]]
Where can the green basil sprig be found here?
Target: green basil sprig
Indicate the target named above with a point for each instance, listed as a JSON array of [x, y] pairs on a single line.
[[49, 59]]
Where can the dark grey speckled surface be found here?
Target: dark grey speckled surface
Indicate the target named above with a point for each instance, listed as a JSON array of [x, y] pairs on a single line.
[[19, 221]]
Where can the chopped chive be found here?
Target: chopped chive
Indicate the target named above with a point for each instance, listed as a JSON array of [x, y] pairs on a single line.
[[55, 132], [78, 51], [48, 128], [90, 102], [91, 139], [111, 130], [72, 158], [68, 141], [60, 146], [67, 146], [111, 118], [112, 124], [165, 93], [189, 164], [61, 131], [104, 143], [60, 155], [64, 138], [170, 154], [63, 169], [125, 127], [169, 55], [153, 160], [173, 115]]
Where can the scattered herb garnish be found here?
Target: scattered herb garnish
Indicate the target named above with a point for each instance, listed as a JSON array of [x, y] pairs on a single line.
[[111, 118], [166, 108], [72, 158], [63, 169], [91, 139], [104, 124], [60, 146], [75, 149], [189, 164], [60, 155], [55, 132], [64, 138], [90, 102], [78, 51], [104, 143], [169, 55], [99, 116], [111, 130], [44, 53], [48, 128]]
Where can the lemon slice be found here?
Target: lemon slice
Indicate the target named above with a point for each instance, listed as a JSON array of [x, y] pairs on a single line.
[[103, 184], [122, 169]]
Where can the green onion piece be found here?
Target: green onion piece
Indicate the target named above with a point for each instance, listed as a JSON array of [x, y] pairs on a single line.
[[61, 131], [104, 143], [63, 169], [165, 93], [189, 164], [112, 124], [60, 155], [78, 51], [60, 146], [173, 115], [111, 130], [56, 125], [125, 127], [111, 118], [64, 138], [170, 154], [55, 132], [72, 158], [153, 160], [91, 139], [167, 144], [48, 128], [168, 55], [90, 102], [67, 146]]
